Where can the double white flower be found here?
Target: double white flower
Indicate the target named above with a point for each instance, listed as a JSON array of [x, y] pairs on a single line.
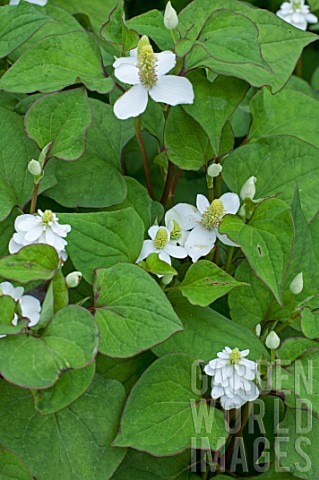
[[202, 223], [29, 306], [297, 14], [233, 378], [41, 3], [41, 228], [146, 71]]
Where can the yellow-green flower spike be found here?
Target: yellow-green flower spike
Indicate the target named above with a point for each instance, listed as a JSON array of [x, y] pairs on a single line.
[[47, 217], [176, 233], [161, 238], [235, 357], [146, 62], [213, 214]]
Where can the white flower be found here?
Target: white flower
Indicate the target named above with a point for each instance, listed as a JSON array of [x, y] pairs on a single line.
[[41, 3], [41, 228], [297, 14], [233, 376], [30, 307], [146, 71], [162, 244], [296, 285], [204, 222], [170, 17], [272, 341], [248, 190]]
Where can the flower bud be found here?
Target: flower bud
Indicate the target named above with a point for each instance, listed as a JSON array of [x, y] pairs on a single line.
[[214, 169], [248, 189], [170, 17], [258, 330], [272, 341], [242, 212], [73, 279], [35, 168], [166, 279], [296, 286]]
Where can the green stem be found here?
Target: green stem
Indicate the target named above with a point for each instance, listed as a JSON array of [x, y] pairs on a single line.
[[33, 205], [229, 259], [174, 185], [287, 323], [168, 183], [174, 36], [205, 474], [299, 68], [144, 156], [218, 185]]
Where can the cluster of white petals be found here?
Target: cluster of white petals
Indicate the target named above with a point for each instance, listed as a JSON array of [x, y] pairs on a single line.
[[190, 231], [233, 378], [41, 228], [297, 14], [30, 306], [199, 225], [41, 3], [146, 71]]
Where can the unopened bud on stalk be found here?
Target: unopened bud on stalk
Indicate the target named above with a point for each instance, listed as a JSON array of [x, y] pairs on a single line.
[[296, 285], [272, 341], [214, 169], [73, 279], [248, 189], [35, 168], [258, 330], [170, 17]]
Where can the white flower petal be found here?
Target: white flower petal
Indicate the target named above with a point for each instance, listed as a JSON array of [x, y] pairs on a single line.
[[165, 62], [152, 231], [175, 251], [61, 230], [14, 247], [311, 18], [199, 242], [49, 237], [185, 215], [202, 203], [225, 240], [147, 248], [33, 234], [25, 222], [30, 308], [217, 391], [127, 74], [172, 90], [132, 103], [131, 60], [41, 3], [165, 257], [230, 202]]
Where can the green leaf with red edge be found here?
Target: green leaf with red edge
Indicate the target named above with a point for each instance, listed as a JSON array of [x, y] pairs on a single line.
[[66, 59], [70, 341], [131, 310], [60, 119], [33, 262], [266, 241], [204, 282]]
